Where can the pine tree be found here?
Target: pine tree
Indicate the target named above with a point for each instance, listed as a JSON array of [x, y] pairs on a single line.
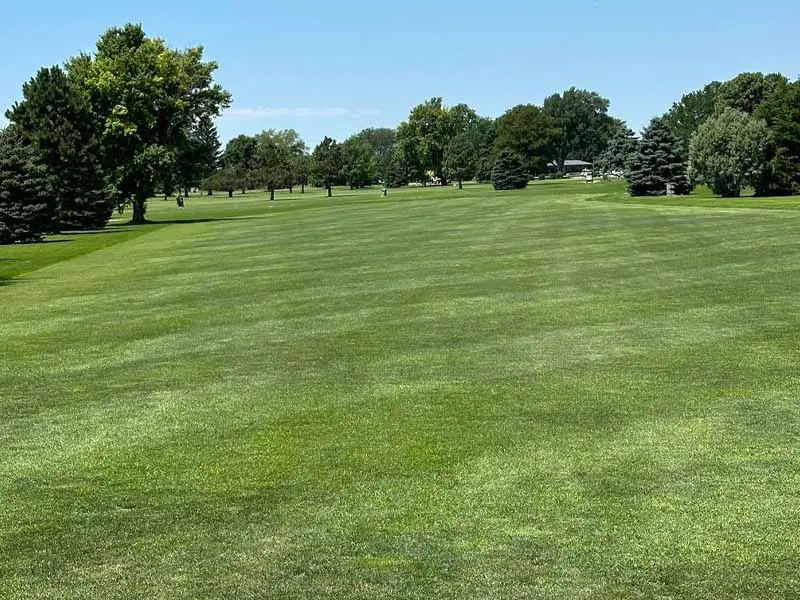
[[615, 159], [657, 162], [27, 210], [508, 172], [56, 118]]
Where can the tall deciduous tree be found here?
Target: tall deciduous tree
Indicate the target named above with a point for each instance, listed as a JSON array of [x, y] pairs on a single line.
[[383, 143], [360, 164], [584, 125], [56, 117], [272, 160], [486, 132], [781, 111], [461, 157], [694, 109], [148, 98], [430, 128], [27, 209], [530, 133], [657, 162], [747, 91], [729, 152], [302, 168], [240, 157], [327, 164]]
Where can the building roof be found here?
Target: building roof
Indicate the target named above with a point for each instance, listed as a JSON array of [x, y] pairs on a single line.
[[572, 163]]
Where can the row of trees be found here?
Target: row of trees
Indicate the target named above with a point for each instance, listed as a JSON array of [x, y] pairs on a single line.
[[106, 131], [729, 135], [437, 143]]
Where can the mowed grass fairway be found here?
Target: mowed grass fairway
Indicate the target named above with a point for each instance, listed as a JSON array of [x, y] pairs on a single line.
[[551, 393]]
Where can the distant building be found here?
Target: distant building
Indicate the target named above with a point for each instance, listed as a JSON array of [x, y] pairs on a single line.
[[571, 167]]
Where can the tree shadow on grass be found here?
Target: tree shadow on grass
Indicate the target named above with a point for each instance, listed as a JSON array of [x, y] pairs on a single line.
[[187, 221]]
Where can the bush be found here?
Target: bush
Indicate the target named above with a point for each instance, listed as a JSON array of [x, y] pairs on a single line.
[[729, 152], [508, 173]]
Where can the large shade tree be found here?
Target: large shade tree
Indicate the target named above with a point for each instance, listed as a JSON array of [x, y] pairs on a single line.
[[694, 109], [148, 98], [383, 142], [530, 133], [584, 125], [272, 160], [360, 166], [240, 157], [430, 127], [781, 112], [327, 164]]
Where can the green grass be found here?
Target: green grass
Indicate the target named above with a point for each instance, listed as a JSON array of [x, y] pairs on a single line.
[[439, 394]]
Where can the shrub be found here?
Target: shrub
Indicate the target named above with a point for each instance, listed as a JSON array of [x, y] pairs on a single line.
[[729, 152], [508, 173]]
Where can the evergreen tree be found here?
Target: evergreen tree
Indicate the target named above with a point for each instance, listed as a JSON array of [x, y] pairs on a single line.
[[508, 172], [616, 157], [729, 152], [55, 116], [657, 162], [27, 210], [198, 156]]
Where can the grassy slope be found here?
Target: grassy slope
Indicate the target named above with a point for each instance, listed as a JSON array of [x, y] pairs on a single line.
[[439, 395]]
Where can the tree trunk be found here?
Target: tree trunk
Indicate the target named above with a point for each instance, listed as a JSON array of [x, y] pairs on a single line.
[[272, 195], [290, 188], [330, 192], [302, 188], [230, 193], [460, 185], [139, 208], [210, 192], [244, 191]]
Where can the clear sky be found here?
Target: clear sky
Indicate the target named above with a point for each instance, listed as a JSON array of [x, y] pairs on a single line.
[[327, 67]]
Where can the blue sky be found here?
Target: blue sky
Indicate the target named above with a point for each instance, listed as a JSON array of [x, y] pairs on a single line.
[[333, 68]]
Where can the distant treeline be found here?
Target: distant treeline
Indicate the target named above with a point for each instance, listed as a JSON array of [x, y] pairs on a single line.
[[111, 129]]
